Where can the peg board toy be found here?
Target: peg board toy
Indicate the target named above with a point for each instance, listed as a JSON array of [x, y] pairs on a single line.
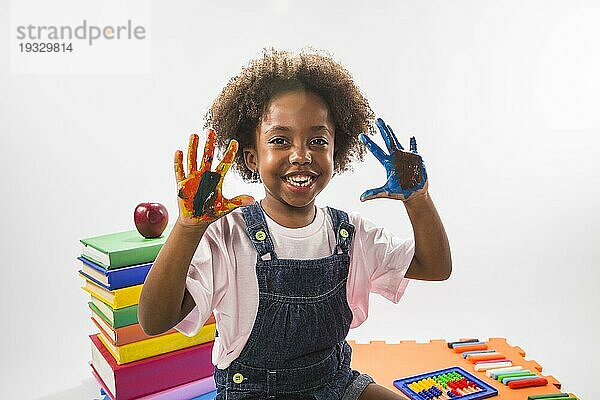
[[389, 362], [455, 383]]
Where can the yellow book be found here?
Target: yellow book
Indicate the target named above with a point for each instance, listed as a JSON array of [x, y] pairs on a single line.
[[118, 298], [157, 345]]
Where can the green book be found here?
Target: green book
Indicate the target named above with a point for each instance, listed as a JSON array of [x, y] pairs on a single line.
[[115, 318], [122, 249]]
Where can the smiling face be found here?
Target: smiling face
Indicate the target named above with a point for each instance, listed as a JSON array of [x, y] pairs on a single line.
[[293, 154]]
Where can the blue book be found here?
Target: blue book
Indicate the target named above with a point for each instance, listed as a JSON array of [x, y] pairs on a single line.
[[113, 279]]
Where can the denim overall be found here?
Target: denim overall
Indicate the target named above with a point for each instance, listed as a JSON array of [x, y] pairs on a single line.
[[297, 348]]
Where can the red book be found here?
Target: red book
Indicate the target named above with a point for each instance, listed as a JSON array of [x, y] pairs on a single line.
[[150, 375]]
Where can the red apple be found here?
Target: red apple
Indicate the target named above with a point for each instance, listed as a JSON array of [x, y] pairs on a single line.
[[150, 219]]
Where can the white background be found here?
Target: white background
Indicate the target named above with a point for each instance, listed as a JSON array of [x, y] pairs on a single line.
[[504, 100]]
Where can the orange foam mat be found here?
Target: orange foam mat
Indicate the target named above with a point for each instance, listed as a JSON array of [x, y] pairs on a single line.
[[388, 362]]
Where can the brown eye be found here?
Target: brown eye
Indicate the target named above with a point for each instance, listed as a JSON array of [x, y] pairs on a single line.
[[277, 141], [319, 142]]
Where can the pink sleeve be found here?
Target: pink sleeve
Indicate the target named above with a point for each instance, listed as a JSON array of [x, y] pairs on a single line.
[[378, 262], [207, 271]]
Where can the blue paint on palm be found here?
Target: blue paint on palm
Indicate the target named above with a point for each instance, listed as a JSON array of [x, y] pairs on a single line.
[[392, 187]]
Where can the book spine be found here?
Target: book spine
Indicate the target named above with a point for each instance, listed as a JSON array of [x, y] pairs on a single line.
[[125, 258], [134, 333], [116, 278], [116, 299], [120, 318], [121, 278], [125, 316], [126, 297]]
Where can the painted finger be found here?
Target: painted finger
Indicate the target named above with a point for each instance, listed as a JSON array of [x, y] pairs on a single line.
[[187, 190], [192, 153], [240, 201], [383, 130], [395, 139], [209, 151], [374, 148], [390, 141], [413, 145], [373, 193], [228, 158], [179, 173]]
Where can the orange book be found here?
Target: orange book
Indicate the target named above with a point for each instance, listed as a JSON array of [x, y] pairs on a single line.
[[130, 333]]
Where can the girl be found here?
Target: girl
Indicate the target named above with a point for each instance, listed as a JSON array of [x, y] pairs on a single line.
[[286, 279]]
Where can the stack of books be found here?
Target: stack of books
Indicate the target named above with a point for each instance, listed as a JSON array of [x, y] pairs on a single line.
[[127, 363]]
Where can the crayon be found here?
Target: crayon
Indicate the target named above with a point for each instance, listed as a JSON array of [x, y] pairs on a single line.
[[471, 347], [495, 360], [493, 373], [466, 353], [528, 383], [514, 373], [462, 341], [550, 396], [485, 356], [465, 344], [555, 398], [505, 381], [486, 366], [558, 398]]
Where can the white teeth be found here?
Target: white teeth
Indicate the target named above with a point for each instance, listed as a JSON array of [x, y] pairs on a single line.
[[300, 180]]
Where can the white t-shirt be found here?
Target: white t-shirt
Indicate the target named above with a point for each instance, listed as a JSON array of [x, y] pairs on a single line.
[[222, 276]]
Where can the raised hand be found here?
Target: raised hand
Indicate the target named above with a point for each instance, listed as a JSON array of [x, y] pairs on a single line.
[[200, 196], [405, 170]]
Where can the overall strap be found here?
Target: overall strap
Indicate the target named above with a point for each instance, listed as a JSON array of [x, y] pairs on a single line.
[[343, 229], [256, 226]]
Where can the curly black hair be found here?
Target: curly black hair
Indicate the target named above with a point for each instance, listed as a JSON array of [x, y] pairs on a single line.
[[236, 112]]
